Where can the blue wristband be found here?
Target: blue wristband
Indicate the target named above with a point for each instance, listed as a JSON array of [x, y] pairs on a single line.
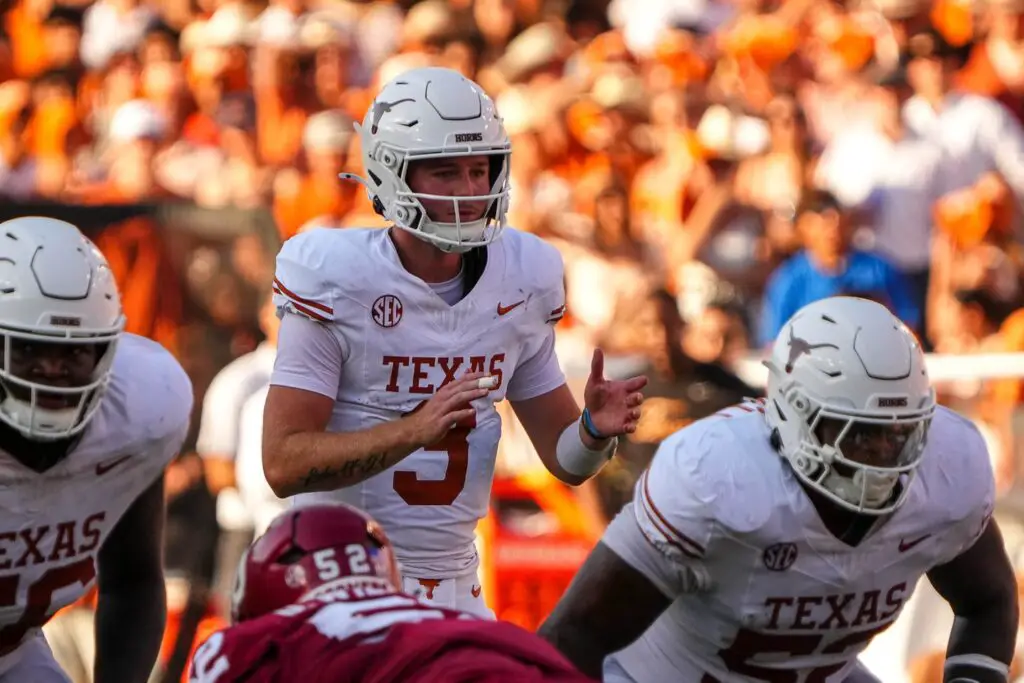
[[589, 428]]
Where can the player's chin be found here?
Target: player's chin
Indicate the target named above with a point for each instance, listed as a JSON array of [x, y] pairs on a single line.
[[469, 213], [43, 399], [55, 401]]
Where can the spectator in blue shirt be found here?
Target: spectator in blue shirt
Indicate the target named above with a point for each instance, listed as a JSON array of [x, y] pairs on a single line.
[[829, 266]]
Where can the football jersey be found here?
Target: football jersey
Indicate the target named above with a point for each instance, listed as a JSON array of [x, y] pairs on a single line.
[[400, 343], [762, 590], [55, 522], [385, 639]]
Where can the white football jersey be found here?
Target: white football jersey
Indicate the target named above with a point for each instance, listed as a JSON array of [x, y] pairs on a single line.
[[55, 522], [762, 590], [400, 343]]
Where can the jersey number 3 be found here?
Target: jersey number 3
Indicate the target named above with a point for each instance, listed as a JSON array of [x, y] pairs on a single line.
[[416, 491]]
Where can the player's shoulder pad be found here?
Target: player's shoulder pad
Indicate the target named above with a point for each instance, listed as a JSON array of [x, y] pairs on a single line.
[[313, 266], [149, 390], [710, 477], [956, 468], [539, 266]]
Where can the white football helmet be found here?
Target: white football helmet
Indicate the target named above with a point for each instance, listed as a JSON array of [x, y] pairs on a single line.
[[850, 400], [433, 113], [55, 287]]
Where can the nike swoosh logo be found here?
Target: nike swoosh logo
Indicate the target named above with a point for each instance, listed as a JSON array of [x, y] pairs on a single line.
[[907, 545], [502, 310], [104, 467]]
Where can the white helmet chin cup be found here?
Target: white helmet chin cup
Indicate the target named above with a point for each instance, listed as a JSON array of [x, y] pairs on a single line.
[[429, 114], [57, 289], [871, 490], [24, 416], [850, 362]]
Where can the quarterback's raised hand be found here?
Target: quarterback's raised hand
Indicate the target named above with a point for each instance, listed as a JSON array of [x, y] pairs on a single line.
[[450, 406], [614, 405]]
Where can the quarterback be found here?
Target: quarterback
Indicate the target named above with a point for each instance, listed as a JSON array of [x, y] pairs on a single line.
[[396, 344], [773, 541], [317, 600], [89, 417]]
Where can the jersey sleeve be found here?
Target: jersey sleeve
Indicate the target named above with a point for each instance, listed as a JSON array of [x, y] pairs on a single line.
[[176, 413], [538, 373], [974, 499], [300, 282], [538, 370], [210, 663], [309, 356], [666, 530], [552, 283], [235, 653]]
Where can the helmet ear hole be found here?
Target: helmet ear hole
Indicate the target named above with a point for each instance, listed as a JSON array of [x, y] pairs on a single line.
[[291, 556], [803, 406], [388, 158]]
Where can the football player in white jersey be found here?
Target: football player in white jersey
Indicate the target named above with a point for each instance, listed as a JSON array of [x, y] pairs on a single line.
[[396, 344], [773, 541], [89, 417]]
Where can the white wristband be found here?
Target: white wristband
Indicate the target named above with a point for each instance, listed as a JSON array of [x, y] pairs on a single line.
[[574, 456]]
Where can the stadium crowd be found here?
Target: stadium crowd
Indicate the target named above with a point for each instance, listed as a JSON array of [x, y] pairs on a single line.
[[706, 167]]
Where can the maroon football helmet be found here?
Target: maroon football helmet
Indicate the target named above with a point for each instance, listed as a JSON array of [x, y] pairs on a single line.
[[328, 547]]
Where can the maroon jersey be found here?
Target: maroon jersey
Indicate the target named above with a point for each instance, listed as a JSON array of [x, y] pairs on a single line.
[[389, 639]]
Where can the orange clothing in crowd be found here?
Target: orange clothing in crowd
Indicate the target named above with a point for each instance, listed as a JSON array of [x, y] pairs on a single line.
[[979, 76], [279, 129], [313, 198], [1011, 335], [137, 256], [50, 126], [24, 25]]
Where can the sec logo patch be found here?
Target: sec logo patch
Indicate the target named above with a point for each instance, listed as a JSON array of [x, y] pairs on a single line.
[[387, 310], [779, 557]]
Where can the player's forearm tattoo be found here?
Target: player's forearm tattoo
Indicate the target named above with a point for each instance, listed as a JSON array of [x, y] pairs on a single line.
[[372, 464]]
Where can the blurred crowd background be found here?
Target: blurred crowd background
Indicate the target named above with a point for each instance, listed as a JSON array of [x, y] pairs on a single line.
[[706, 167]]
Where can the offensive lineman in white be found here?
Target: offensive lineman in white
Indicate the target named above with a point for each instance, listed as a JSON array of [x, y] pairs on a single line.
[[396, 344], [89, 417], [772, 541]]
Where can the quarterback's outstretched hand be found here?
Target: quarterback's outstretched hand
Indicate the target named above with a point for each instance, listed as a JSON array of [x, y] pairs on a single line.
[[450, 406], [614, 405]]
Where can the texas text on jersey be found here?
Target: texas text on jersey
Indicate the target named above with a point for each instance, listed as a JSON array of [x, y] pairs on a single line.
[[56, 521], [763, 587], [773, 541], [400, 343]]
